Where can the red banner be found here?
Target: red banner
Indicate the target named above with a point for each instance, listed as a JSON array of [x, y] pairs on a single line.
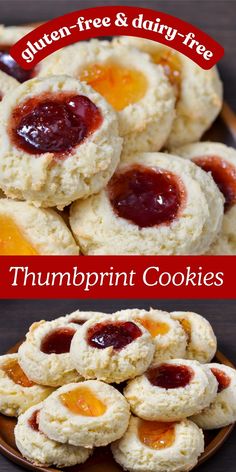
[[115, 21], [117, 277]]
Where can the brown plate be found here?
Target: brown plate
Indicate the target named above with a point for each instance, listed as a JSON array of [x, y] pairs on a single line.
[[102, 460]]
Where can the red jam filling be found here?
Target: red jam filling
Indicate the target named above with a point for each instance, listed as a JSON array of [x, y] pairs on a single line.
[[10, 66], [222, 379], [117, 334], [146, 197], [33, 421], [58, 341], [224, 175], [54, 123], [78, 322], [170, 376]]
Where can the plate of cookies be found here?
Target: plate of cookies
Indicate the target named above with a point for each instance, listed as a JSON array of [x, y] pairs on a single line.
[[122, 135], [138, 390]]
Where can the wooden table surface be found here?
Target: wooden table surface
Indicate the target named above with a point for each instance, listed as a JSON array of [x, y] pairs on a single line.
[[17, 315]]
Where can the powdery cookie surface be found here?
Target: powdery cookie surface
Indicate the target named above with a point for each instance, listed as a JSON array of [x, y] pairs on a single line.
[[226, 156], [58, 422], [16, 398], [197, 224], [157, 403], [7, 84], [39, 449], [37, 227], [202, 342], [144, 124], [44, 179], [11, 34], [52, 369], [111, 364], [169, 337], [222, 411], [134, 455], [199, 98]]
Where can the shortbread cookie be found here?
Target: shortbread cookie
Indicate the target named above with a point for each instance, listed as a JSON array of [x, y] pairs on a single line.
[[45, 355], [26, 230], [88, 414], [129, 81], [222, 411], [9, 35], [7, 84], [169, 337], [159, 447], [220, 161], [59, 141], [171, 391], [112, 349], [198, 91], [39, 449], [154, 204], [17, 391], [202, 342]]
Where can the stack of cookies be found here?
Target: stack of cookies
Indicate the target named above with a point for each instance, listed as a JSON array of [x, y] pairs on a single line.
[[105, 135], [140, 381]]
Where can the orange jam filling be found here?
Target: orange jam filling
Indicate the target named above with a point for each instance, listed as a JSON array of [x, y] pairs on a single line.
[[12, 241], [153, 327], [186, 325], [172, 67], [155, 434], [15, 373], [82, 401], [118, 85]]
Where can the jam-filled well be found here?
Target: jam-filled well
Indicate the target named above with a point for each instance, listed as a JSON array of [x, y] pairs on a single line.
[[11, 67], [33, 421], [117, 334], [155, 328], [14, 371], [82, 401], [54, 123], [170, 376], [155, 434], [12, 240], [145, 196], [119, 85], [222, 378], [186, 325], [57, 341], [224, 175], [171, 64]]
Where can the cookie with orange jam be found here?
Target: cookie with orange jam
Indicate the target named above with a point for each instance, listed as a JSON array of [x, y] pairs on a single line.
[[201, 339], [169, 337], [154, 204], [17, 391], [59, 141], [45, 355], [171, 390], [136, 88], [159, 447], [222, 411], [88, 414], [27, 230], [219, 161], [112, 348], [199, 92], [39, 449]]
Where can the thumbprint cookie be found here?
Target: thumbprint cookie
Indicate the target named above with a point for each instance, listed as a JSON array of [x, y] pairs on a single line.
[[17, 391], [59, 141], [88, 414], [222, 411], [171, 391], [219, 161], [45, 355], [7, 84], [198, 92], [27, 230], [80, 317], [112, 348], [153, 204], [8, 36], [168, 335], [39, 449], [159, 447], [136, 88], [201, 340]]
